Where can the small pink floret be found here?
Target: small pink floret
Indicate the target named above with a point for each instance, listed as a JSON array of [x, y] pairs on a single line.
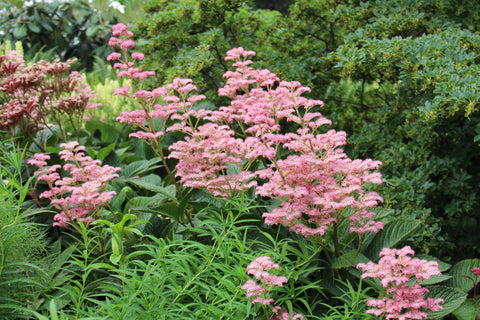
[[476, 271]]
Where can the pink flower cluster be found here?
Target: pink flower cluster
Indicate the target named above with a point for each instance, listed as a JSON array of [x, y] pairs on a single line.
[[317, 182], [285, 315], [122, 38], [156, 103], [80, 195], [476, 271], [404, 299], [260, 268]]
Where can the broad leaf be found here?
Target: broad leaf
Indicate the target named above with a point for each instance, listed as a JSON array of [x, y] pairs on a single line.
[[452, 298], [467, 311], [116, 202], [436, 279], [168, 191], [140, 167], [461, 271], [104, 152], [349, 259], [393, 233]]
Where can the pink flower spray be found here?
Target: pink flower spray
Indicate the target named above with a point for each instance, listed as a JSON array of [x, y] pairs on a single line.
[[404, 299], [260, 291], [82, 194]]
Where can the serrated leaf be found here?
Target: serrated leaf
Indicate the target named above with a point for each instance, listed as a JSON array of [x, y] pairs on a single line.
[[381, 212], [461, 269], [467, 310], [392, 234], [452, 298]]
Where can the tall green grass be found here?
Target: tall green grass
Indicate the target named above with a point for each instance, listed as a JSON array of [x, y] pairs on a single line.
[[22, 244]]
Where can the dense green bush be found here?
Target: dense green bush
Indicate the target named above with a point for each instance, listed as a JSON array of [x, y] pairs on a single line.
[[65, 29], [426, 132]]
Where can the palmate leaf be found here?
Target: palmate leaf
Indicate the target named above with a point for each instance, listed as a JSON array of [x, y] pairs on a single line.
[[392, 235]]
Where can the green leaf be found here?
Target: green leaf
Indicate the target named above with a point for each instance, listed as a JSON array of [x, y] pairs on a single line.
[[92, 31], [152, 179], [33, 27], [20, 31], [452, 298], [97, 266], [102, 153], [467, 310], [61, 259], [459, 271], [168, 191], [140, 167], [157, 206], [53, 310], [116, 202], [381, 212], [393, 233], [436, 279], [108, 133], [171, 210], [349, 259], [112, 159], [115, 258]]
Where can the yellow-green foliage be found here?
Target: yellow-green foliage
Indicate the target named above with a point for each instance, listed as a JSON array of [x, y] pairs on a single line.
[[7, 47], [111, 105]]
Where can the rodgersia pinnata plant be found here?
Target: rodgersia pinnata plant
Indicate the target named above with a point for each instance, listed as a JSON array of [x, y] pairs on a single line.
[[42, 96], [268, 120], [269, 137]]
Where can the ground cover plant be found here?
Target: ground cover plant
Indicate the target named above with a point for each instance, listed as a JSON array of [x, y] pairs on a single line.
[[246, 206]]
